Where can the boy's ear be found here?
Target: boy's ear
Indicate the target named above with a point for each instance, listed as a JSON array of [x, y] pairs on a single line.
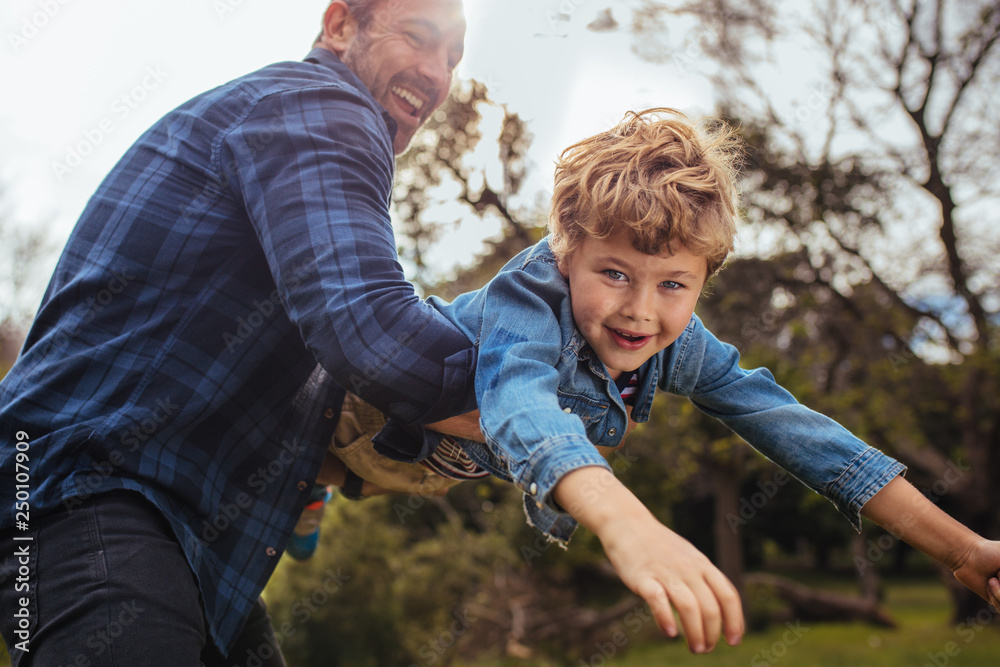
[[563, 268], [339, 27]]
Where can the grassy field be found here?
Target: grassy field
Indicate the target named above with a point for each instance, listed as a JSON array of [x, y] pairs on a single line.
[[925, 638]]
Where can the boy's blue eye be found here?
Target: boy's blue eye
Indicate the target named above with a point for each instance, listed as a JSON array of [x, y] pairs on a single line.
[[614, 275], [670, 284]]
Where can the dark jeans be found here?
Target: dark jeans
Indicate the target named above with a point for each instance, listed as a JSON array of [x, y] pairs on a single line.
[[109, 586]]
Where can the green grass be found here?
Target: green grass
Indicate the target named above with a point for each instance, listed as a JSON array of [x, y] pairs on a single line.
[[925, 637]]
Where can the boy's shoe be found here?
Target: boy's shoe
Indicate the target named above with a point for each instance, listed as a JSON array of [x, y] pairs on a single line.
[[305, 536]]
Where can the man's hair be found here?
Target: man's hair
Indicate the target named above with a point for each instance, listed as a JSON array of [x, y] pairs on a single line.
[[363, 12], [667, 180]]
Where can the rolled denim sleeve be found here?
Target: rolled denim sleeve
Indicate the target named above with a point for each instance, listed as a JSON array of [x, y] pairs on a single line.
[[817, 450], [517, 386], [314, 172]]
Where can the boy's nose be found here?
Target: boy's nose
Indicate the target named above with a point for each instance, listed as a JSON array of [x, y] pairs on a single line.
[[639, 306]]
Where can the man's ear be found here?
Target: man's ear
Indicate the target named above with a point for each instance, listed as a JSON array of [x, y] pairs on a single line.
[[339, 28]]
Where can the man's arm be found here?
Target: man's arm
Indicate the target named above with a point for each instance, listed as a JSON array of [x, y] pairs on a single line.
[[908, 514], [461, 426], [314, 170]]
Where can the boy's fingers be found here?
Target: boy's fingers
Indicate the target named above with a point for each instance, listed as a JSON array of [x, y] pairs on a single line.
[[652, 592], [691, 613], [994, 593], [733, 624], [711, 615], [731, 606]]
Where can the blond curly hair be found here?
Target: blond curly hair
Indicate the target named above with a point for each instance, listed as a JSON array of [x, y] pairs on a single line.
[[670, 181]]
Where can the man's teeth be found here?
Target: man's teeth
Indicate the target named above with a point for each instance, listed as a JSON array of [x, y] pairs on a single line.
[[408, 96]]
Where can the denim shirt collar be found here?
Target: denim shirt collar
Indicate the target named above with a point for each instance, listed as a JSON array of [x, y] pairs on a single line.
[[330, 60], [648, 375]]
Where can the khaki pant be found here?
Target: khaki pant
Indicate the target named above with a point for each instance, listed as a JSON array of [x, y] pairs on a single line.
[[352, 444]]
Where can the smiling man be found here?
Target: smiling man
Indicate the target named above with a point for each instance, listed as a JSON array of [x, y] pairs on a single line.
[[404, 53], [252, 225]]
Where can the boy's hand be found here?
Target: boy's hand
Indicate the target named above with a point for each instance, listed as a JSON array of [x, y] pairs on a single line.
[[979, 570], [905, 512], [656, 563]]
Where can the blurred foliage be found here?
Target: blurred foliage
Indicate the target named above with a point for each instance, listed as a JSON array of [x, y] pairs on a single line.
[[412, 580], [22, 252]]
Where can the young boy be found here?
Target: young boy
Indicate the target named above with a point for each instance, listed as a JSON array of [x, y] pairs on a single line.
[[576, 333]]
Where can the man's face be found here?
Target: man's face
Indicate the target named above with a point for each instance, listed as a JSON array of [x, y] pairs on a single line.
[[406, 58], [629, 305]]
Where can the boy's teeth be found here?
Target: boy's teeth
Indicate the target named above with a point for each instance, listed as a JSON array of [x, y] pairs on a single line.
[[408, 96], [628, 336]]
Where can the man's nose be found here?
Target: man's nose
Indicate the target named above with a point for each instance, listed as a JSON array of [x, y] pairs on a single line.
[[436, 68]]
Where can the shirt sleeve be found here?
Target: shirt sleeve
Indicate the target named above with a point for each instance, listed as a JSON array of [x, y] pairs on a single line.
[[313, 167], [517, 386], [814, 448]]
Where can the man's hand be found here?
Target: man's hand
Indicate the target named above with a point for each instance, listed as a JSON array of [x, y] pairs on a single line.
[[334, 472], [653, 561], [462, 426]]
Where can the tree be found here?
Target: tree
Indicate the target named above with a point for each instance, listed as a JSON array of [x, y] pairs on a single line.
[[440, 167], [878, 173], [22, 251]]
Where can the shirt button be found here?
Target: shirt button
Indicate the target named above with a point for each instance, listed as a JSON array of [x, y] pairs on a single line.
[[568, 410], [302, 486], [533, 489], [328, 413], [612, 431], [270, 551]]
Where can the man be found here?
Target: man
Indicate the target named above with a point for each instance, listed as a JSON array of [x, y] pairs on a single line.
[[242, 239]]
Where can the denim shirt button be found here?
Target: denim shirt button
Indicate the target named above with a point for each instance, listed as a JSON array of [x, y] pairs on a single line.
[[533, 489], [568, 410], [612, 431]]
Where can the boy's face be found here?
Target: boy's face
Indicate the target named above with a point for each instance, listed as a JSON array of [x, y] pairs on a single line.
[[629, 305]]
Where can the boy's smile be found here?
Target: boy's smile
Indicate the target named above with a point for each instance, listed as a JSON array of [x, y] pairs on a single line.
[[629, 305]]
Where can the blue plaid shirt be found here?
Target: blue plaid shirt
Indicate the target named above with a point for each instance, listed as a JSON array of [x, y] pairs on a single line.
[[243, 238]]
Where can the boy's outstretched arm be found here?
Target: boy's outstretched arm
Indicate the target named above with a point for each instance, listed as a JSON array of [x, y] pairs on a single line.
[[908, 514], [652, 560]]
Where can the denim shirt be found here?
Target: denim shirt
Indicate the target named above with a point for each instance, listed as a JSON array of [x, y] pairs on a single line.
[[545, 399]]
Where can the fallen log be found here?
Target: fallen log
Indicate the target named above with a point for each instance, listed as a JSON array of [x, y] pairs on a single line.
[[817, 605]]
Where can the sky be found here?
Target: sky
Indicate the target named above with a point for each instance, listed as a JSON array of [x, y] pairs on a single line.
[[80, 81]]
